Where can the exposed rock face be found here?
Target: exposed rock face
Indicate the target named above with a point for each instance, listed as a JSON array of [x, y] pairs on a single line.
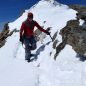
[[81, 15], [78, 8], [70, 26], [59, 48], [74, 35], [54, 44], [5, 33], [54, 40], [81, 11], [54, 36]]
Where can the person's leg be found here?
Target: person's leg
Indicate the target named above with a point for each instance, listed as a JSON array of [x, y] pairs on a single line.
[[27, 49], [33, 43]]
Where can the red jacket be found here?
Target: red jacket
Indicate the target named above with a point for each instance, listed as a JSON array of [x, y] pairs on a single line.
[[27, 28]]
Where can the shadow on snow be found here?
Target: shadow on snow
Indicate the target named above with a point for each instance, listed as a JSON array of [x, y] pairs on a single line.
[[39, 50]]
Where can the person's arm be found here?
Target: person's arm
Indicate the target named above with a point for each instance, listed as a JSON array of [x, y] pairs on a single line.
[[22, 29], [39, 27], [21, 32]]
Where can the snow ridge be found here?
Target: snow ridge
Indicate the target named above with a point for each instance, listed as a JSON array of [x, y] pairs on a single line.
[[66, 70]]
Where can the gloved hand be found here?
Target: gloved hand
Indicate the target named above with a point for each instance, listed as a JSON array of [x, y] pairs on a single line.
[[48, 33], [21, 39]]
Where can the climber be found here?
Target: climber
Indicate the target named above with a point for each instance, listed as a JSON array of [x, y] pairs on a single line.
[[27, 35]]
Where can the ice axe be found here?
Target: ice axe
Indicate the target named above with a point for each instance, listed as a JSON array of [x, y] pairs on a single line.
[[48, 29], [51, 37]]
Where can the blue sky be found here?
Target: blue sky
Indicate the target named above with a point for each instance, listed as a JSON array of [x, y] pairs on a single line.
[[10, 9], [81, 2]]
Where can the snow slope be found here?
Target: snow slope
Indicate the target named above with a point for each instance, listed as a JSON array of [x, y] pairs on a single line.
[[67, 70]]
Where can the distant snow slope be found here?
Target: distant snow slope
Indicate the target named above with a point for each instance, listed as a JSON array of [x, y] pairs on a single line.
[[67, 70]]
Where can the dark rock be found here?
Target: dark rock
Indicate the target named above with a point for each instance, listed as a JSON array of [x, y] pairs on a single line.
[[74, 35], [81, 15], [78, 8], [54, 44], [5, 33], [54, 36], [81, 11], [60, 47]]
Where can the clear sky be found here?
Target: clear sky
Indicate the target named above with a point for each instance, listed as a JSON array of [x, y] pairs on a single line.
[[11, 9]]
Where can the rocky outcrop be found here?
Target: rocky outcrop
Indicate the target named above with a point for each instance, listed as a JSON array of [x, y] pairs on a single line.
[[54, 44], [39, 35], [78, 8], [81, 15], [54, 36], [81, 11], [5, 33], [54, 40], [74, 35]]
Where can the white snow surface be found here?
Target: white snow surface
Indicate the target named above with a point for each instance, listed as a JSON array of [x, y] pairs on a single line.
[[67, 70]]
